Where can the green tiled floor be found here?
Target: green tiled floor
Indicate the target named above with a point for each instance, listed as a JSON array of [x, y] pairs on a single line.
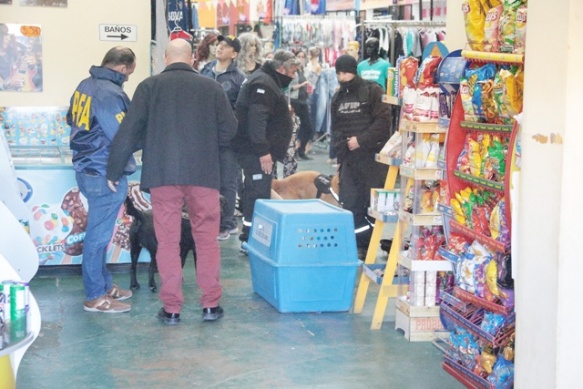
[[253, 346]]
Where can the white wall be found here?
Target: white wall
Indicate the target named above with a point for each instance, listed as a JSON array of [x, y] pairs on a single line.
[[456, 30], [70, 38], [550, 265]]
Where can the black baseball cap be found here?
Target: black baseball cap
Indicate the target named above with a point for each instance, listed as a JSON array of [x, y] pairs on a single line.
[[231, 41]]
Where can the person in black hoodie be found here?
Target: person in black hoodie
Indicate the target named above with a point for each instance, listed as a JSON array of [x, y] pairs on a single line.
[[265, 128], [360, 128]]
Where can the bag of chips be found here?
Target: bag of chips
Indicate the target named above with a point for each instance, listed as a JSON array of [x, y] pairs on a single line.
[[507, 26], [520, 36], [491, 29], [475, 18]]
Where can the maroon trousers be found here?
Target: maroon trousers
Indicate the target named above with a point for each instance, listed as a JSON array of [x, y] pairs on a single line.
[[204, 211]]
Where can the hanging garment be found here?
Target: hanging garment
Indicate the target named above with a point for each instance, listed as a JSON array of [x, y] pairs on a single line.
[[177, 15]]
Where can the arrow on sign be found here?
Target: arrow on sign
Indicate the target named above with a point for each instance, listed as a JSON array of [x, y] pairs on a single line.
[[122, 36]]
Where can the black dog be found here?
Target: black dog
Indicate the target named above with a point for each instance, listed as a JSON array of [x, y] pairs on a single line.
[[142, 235]]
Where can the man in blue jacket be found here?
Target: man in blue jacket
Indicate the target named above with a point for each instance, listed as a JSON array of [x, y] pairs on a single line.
[[97, 108], [179, 119], [225, 71]]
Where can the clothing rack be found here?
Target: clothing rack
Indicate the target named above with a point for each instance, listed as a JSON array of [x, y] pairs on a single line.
[[394, 24]]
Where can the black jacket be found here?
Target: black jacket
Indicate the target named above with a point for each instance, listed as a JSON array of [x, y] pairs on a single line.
[[358, 110], [180, 118], [265, 124], [231, 79]]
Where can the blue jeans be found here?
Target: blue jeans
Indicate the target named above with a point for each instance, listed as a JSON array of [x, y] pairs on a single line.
[[229, 171], [103, 207]]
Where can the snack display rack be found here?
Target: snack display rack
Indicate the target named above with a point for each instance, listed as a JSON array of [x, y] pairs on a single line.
[[421, 139], [480, 148]]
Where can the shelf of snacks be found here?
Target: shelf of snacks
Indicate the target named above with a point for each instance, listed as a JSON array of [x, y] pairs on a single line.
[[427, 219], [468, 378], [385, 159], [385, 217], [497, 245], [416, 311], [493, 328], [492, 306], [429, 127], [390, 154], [375, 272], [479, 181], [486, 127], [424, 265], [384, 204], [421, 174], [394, 100]]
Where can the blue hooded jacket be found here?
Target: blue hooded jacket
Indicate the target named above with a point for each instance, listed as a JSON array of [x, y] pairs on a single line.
[[96, 109]]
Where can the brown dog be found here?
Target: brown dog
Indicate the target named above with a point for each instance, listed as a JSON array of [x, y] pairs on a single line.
[[301, 185]]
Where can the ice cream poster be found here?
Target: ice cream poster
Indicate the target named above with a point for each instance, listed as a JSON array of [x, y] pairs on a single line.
[[35, 126], [59, 217], [21, 60]]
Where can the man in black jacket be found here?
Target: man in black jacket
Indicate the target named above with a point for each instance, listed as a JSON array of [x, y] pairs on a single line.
[[360, 128], [265, 129], [180, 120]]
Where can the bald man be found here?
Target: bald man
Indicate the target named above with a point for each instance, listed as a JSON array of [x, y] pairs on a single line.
[[178, 118]]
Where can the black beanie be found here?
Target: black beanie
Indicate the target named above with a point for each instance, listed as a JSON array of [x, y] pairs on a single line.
[[346, 63]]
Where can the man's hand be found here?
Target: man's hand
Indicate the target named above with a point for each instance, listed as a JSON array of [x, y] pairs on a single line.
[[112, 184], [352, 143], [266, 163]]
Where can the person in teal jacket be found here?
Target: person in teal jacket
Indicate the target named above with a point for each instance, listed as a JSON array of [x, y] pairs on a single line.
[[374, 68]]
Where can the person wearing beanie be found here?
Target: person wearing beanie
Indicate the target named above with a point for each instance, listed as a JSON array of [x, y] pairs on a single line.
[[360, 128], [346, 64]]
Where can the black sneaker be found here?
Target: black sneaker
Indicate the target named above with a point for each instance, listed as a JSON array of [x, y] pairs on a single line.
[[168, 318], [211, 314]]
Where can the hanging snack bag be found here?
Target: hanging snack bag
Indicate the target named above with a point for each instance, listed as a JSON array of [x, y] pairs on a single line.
[[489, 108], [475, 78], [520, 36], [466, 97], [507, 26], [491, 29], [407, 70], [475, 18], [427, 70]]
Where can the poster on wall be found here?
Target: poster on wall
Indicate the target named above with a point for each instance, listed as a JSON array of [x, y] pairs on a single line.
[[44, 3], [35, 126], [20, 58]]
